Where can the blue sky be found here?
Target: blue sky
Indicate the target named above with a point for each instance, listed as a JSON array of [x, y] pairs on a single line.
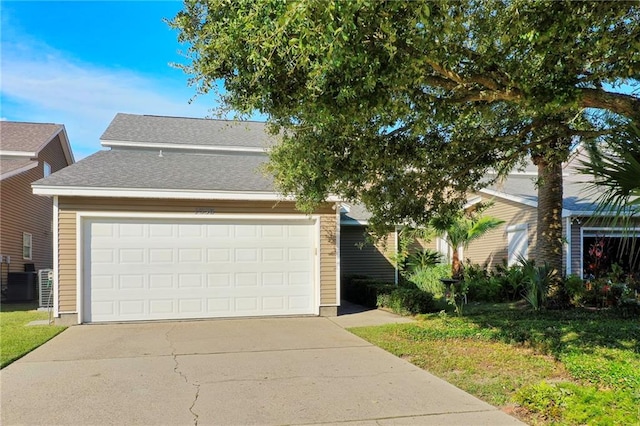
[[78, 63]]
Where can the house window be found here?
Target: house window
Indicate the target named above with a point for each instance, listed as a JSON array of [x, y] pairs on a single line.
[[518, 243], [602, 248], [27, 246], [47, 169]]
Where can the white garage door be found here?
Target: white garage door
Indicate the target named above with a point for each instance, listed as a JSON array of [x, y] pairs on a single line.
[[159, 269]]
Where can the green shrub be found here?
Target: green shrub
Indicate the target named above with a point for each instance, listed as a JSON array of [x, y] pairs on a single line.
[[511, 280], [481, 287], [406, 301], [428, 279], [422, 259], [538, 280], [576, 289]]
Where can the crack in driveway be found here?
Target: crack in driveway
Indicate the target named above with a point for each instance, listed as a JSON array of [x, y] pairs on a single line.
[[176, 369]]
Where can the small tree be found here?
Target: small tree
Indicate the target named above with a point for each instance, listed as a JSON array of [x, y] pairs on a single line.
[[460, 230]]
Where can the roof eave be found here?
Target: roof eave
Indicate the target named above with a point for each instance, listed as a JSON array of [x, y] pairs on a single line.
[[182, 194], [160, 145], [19, 170]]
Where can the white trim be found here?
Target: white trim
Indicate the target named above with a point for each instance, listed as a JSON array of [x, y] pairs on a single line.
[[582, 253], [354, 222], [182, 215], [396, 272], [186, 147], [618, 229], [522, 200], [28, 154], [510, 197], [163, 193], [46, 169], [472, 202], [316, 263], [79, 268], [517, 234], [56, 265], [30, 257], [17, 171], [338, 281], [518, 227], [80, 243], [569, 254]]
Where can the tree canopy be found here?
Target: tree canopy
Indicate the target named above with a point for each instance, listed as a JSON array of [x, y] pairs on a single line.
[[406, 106]]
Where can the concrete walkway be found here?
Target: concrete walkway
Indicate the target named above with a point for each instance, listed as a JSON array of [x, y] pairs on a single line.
[[247, 371]]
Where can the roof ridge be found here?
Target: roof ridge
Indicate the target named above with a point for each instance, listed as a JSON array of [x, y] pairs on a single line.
[[195, 118]]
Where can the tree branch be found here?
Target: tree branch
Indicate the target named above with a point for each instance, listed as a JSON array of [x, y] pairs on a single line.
[[620, 103]]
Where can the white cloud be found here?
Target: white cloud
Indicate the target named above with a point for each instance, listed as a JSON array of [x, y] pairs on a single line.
[[40, 84]]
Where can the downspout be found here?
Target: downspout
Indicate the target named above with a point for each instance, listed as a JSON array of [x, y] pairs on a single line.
[[568, 256], [396, 273], [56, 253]]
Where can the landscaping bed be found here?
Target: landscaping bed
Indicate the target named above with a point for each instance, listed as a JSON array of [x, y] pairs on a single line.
[[16, 339], [568, 367]]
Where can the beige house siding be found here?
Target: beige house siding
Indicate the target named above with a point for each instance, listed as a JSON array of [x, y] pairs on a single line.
[[22, 211], [70, 206], [492, 248], [359, 257], [328, 259]]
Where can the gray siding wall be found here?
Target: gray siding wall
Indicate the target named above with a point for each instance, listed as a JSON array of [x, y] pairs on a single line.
[[374, 261]]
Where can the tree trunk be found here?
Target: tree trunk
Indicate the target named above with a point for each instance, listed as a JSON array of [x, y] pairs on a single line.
[[550, 239], [456, 266]]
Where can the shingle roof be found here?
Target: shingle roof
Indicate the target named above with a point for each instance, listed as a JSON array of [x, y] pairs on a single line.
[[577, 195], [357, 213], [186, 131], [29, 137], [8, 165], [146, 169]]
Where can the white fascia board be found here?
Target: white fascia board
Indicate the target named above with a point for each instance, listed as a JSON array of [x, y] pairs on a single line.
[[162, 193], [510, 197], [353, 222], [218, 148], [591, 213], [20, 154], [472, 202], [19, 170]]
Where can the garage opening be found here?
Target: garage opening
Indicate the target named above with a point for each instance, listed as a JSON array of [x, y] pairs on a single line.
[[152, 269]]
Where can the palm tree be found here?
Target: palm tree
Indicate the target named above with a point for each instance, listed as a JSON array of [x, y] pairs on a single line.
[[614, 166], [460, 230]]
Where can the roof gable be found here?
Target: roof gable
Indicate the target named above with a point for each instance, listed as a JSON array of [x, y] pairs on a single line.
[[21, 144], [149, 131], [26, 137]]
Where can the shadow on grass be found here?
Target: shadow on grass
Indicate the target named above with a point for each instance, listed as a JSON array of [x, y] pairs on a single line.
[[557, 332], [18, 306]]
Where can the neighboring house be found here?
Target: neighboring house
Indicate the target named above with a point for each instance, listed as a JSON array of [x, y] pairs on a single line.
[[175, 220], [513, 200], [28, 152]]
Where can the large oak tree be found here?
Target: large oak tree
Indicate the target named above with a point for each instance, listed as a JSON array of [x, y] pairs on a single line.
[[407, 105]]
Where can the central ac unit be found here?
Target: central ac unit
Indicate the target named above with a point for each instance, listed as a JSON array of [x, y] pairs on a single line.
[[45, 287]]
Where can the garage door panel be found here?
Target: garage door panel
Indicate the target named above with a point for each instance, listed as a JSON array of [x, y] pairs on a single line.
[[152, 269]]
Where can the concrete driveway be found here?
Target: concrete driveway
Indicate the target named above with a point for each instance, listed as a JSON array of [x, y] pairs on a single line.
[[227, 372]]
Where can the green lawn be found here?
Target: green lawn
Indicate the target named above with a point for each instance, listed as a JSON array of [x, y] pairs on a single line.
[[570, 367], [16, 339]]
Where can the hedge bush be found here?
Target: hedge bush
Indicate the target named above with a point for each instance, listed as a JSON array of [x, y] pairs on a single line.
[[407, 301], [403, 299]]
